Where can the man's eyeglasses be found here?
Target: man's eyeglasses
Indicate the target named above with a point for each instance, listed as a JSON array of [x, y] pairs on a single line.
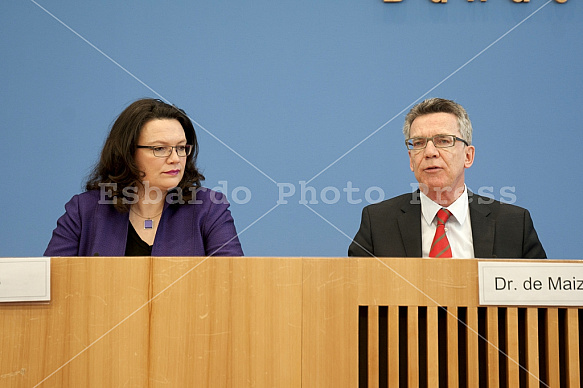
[[166, 151], [439, 141]]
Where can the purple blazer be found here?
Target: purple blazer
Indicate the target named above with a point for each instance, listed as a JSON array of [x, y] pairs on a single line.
[[197, 228]]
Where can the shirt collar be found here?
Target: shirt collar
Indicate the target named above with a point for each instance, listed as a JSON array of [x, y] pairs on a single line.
[[459, 209]]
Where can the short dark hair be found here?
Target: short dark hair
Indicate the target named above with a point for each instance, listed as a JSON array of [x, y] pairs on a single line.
[[440, 105], [117, 163]]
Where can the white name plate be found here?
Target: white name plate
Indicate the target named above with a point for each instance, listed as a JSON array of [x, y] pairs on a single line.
[[530, 284], [25, 279]]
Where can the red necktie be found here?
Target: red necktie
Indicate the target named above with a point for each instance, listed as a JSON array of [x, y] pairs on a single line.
[[440, 245]]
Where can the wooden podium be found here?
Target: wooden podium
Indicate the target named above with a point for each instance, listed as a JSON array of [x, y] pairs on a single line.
[[281, 322]]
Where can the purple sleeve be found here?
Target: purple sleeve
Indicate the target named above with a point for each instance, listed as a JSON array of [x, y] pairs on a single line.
[[66, 236], [218, 229]]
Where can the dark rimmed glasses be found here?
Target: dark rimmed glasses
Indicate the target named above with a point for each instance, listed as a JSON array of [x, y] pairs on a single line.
[[439, 141], [166, 151]]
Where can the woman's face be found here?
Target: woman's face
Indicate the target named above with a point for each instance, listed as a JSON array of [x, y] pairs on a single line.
[[163, 173]]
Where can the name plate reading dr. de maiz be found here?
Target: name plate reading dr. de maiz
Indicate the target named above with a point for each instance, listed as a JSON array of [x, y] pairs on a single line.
[[25, 279], [530, 284]]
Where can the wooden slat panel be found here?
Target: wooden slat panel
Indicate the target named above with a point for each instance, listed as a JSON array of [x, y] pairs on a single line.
[[191, 316], [472, 339], [552, 347], [330, 323], [413, 345], [226, 322], [492, 347], [432, 347], [373, 346], [94, 332], [512, 348], [452, 348], [242, 322], [393, 345], [532, 354], [572, 339]]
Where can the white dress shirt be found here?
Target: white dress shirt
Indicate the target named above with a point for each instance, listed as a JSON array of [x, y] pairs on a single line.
[[458, 227]]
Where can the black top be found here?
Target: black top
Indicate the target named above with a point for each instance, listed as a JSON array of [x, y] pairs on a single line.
[[135, 246]]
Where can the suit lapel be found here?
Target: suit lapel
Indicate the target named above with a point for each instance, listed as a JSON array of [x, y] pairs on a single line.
[[111, 231], [410, 228], [482, 227]]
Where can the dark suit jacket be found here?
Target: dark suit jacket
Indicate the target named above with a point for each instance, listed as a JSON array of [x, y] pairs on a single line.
[[392, 228]]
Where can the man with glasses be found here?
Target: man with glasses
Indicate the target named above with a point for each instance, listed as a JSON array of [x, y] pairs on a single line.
[[443, 218]]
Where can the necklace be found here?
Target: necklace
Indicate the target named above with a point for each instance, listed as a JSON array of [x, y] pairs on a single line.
[[148, 221]]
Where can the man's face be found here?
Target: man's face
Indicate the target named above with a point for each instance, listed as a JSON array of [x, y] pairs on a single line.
[[440, 170]]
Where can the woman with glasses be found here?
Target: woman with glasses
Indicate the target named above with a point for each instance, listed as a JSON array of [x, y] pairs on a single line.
[[144, 196]]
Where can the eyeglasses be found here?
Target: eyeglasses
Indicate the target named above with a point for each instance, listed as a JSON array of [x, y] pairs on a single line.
[[166, 151], [439, 141]]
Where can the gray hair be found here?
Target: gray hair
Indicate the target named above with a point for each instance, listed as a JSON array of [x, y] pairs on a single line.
[[440, 105]]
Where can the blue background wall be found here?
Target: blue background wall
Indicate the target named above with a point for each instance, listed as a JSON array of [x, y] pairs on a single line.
[[293, 91]]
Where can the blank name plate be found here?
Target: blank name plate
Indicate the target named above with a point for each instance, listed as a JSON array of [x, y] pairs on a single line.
[[25, 279], [531, 284]]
